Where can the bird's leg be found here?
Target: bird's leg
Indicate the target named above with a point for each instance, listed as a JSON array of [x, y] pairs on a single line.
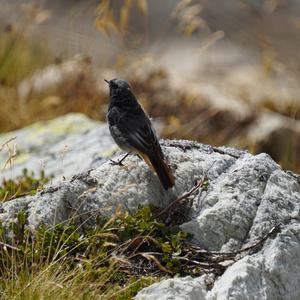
[[119, 163]]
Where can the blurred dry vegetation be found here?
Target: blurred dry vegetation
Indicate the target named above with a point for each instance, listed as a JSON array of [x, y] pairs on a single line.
[[36, 83]]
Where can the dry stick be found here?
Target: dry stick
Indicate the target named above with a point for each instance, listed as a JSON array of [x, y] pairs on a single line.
[[215, 265], [274, 229], [11, 153], [233, 253], [7, 142], [207, 265], [183, 197], [8, 246]]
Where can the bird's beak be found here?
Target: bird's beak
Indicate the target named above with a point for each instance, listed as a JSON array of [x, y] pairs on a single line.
[[107, 81]]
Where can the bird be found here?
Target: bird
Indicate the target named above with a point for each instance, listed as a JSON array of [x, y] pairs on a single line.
[[133, 132]]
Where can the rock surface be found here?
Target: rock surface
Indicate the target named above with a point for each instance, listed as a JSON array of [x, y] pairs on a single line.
[[62, 147], [186, 288], [276, 135], [247, 195]]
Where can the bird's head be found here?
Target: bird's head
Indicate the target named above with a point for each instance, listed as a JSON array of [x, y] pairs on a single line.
[[118, 88]]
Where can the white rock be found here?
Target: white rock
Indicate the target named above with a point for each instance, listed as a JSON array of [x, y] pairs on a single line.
[[247, 195], [62, 147], [186, 288], [272, 273]]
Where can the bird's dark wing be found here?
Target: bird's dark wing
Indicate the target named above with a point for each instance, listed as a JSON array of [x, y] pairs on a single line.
[[141, 135], [136, 131]]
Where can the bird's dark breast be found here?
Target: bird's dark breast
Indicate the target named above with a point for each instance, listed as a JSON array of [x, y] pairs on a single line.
[[120, 138], [131, 129], [114, 117]]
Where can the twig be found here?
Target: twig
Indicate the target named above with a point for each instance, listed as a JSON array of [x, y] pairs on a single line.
[[206, 265], [274, 229], [7, 142], [182, 197], [12, 153], [3, 245], [251, 247]]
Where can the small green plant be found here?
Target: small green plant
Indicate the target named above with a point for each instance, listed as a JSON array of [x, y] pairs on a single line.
[[117, 257], [114, 259], [23, 185]]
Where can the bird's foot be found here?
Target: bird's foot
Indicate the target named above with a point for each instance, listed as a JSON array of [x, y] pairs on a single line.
[[116, 163], [119, 162]]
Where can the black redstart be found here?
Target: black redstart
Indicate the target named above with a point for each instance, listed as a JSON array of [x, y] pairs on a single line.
[[132, 130]]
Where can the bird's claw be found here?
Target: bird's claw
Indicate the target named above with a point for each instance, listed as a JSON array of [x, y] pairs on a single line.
[[116, 163]]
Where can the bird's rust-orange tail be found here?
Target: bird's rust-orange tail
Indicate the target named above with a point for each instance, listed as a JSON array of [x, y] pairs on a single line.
[[163, 171]]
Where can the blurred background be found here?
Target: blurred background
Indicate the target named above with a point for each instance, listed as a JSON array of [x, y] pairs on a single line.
[[219, 72]]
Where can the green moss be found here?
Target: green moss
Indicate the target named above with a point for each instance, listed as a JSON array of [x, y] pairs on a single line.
[[116, 258], [23, 185]]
